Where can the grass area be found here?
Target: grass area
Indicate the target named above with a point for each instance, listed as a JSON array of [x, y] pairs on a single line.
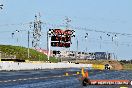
[[22, 53], [127, 66]]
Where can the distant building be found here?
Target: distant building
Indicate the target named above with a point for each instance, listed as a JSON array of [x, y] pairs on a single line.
[[84, 55], [44, 51], [100, 55], [78, 55]]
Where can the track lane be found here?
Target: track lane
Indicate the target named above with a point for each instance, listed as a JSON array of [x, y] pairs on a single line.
[[56, 78]]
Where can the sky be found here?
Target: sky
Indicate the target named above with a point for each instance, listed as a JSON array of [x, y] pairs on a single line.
[[101, 15]]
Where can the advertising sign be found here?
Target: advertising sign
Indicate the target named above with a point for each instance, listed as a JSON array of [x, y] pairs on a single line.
[[100, 55]]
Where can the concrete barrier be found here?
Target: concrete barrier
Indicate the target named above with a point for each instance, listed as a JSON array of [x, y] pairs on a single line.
[[32, 66]]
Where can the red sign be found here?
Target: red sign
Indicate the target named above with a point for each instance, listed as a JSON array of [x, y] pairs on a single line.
[[58, 32], [62, 32], [68, 32]]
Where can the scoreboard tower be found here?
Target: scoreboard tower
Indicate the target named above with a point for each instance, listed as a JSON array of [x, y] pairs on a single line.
[[59, 38]]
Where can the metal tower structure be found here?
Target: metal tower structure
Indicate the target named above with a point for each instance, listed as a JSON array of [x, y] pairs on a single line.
[[67, 22], [36, 31]]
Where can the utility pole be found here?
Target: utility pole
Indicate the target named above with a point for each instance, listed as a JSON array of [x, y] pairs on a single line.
[[48, 49], [67, 24], [48, 43], [86, 37], [100, 42], [15, 34], [76, 50], [17, 31], [47, 46], [28, 43]]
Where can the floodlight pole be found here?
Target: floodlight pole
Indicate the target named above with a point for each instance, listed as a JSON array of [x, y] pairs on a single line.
[[28, 43], [77, 50]]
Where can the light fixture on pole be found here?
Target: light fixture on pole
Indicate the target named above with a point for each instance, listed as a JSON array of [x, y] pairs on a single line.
[[17, 31], [28, 43], [1, 6], [86, 37]]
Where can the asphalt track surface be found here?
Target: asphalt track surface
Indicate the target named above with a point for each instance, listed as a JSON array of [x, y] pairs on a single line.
[[56, 78]]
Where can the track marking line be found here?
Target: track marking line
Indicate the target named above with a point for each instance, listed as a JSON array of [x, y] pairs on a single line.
[[37, 78], [14, 80]]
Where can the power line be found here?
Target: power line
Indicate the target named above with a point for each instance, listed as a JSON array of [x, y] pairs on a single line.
[[14, 24], [103, 41], [73, 27], [87, 29], [12, 31], [98, 31], [116, 43]]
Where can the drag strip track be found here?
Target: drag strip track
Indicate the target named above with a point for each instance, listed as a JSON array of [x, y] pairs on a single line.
[[56, 78]]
